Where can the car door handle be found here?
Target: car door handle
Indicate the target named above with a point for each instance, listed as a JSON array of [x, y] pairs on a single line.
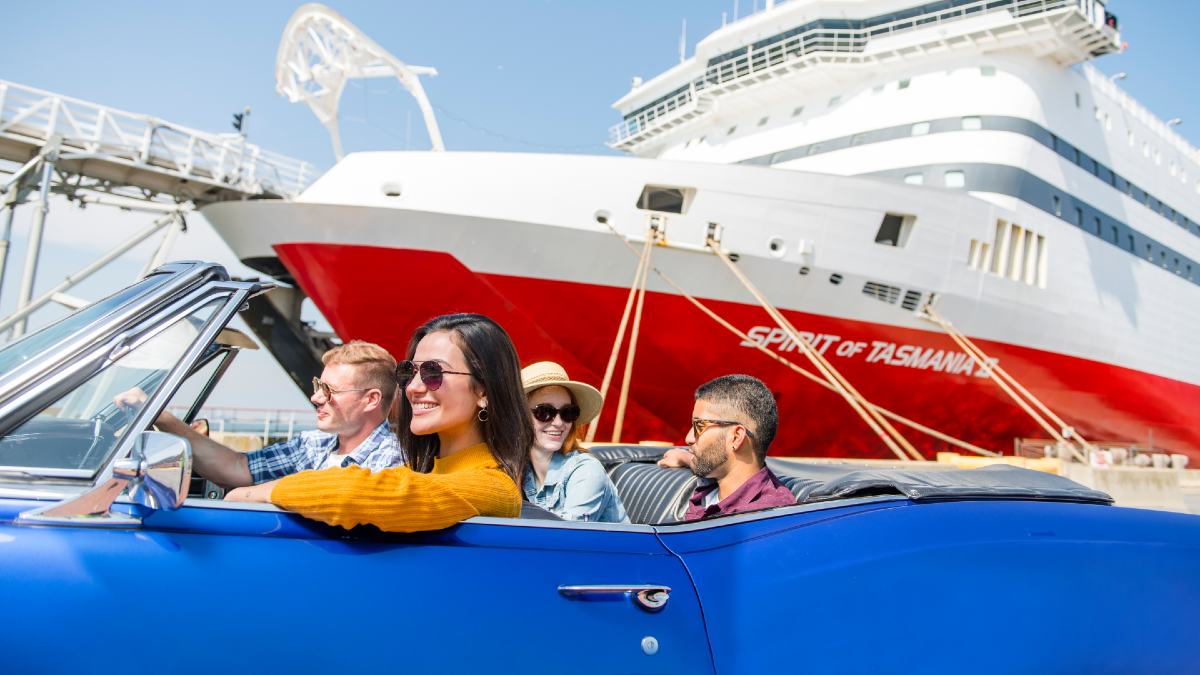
[[650, 597]]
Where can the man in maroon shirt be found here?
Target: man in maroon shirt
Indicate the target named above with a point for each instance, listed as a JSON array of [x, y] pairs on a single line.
[[733, 423]]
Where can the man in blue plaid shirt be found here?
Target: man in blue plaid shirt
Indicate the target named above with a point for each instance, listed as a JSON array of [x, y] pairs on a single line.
[[352, 397]]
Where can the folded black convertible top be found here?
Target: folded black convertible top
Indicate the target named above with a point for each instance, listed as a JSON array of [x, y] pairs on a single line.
[[999, 481], [816, 482]]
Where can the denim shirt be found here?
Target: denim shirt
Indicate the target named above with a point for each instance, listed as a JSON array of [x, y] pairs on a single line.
[[576, 488]]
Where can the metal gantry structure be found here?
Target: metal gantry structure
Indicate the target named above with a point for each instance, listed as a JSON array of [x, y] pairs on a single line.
[[321, 51], [93, 154]]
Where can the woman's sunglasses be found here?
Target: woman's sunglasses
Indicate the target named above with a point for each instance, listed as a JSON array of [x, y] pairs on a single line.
[[431, 373], [544, 412]]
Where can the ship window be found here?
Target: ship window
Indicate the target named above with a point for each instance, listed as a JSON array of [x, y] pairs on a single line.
[[665, 199], [1078, 100], [798, 111], [1177, 266], [922, 128], [1098, 226], [1057, 206], [814, 148], [763, 121], [731, 130], [1079, 216], [1114, 234], [1149, 253], [987, 71], [835, 100], [1162, 258], [894, 230], [972, 123], [1129, 243], [915, 179], [701, 140], [1189, 270], [904, 83], [955, 179]]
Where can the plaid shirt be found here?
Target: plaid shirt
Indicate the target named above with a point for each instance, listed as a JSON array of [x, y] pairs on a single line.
[[308, 449]]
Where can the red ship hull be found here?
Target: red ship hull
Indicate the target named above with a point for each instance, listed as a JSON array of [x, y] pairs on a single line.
[[918, 374]]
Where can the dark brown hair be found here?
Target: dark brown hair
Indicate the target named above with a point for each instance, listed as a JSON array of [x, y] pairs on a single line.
[[492, 360]]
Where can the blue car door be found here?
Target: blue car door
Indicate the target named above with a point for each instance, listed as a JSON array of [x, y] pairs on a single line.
[[886, 585], [214, 587]]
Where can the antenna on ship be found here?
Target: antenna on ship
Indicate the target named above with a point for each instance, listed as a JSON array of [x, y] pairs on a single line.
[[683, 42], [321, 51]]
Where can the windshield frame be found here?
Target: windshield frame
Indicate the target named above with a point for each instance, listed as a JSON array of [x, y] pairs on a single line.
[[17, 410], [43, 366]]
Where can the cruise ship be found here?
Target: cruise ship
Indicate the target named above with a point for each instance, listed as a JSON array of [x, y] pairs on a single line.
[[858, 159]]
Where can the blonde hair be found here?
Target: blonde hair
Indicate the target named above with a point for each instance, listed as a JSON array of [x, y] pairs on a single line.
[[377, 368]]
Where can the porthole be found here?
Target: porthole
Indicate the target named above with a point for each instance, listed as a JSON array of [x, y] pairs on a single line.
[[391, 189], [777, 247], [835, 278], [804, 270], [602, 217]]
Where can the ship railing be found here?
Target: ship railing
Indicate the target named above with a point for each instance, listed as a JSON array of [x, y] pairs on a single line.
[[1105, 85], [818, 43], [1104, 453], [31, 114], [264, 425]]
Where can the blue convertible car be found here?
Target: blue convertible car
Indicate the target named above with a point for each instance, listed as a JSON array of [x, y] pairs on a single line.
[[106, 565]]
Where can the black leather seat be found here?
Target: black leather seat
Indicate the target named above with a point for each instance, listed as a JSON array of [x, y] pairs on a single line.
[[652, 494]]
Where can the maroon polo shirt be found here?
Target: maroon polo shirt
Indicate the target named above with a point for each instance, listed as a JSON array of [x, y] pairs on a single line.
[[761, 491]]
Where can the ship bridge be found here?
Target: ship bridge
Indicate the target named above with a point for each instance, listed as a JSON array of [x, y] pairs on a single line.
[[738, 58]]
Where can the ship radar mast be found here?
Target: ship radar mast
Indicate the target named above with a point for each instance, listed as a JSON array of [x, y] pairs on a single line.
[[321, 51]]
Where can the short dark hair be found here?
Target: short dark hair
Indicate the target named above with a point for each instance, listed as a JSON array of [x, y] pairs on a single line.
[[751, 397], [492, 359]]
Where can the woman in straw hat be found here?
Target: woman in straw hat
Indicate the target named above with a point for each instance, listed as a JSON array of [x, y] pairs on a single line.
[[561, 477]]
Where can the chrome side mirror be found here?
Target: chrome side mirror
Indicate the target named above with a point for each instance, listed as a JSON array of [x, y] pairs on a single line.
[[156, 475], [159, 470]]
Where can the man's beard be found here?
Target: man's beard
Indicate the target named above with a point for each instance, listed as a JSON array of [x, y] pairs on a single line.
[[707, 461]]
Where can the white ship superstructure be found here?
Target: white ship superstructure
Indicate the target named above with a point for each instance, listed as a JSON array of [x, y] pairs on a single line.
[[860, 157]]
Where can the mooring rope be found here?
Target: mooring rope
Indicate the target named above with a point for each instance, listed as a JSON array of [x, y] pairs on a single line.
[[1015, 390], [717, 318], [636, 293], [890, 436]]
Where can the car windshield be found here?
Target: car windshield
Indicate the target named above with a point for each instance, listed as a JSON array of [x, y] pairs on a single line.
[[22, 350], [80, 430]]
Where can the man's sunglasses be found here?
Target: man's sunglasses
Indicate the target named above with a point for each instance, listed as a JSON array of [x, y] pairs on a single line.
[[324, 391], [544, 412], [431, 373], [700, 425]]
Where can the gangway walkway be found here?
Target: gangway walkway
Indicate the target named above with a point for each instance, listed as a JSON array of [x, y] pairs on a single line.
[[91, 153], [117, 150]]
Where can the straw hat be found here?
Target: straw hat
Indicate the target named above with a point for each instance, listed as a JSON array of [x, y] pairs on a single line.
[[548, 373]]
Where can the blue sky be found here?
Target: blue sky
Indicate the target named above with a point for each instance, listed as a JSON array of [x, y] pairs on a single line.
[[514, 75], [518, 75]]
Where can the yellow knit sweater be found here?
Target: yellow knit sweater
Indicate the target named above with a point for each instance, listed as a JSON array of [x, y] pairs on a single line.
[[467, 483]]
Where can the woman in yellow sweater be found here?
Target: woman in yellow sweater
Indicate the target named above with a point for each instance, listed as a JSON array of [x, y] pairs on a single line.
[[463, 424]]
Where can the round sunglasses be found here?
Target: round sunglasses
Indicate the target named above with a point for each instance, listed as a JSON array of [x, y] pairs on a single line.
[[432, 373], [544, 412]]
